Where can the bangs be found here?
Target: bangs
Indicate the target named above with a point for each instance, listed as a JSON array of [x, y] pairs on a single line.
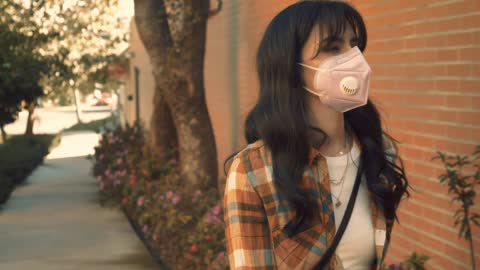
[[333, 18]]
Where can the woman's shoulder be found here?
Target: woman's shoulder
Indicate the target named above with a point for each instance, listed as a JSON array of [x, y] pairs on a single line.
[[252, 151], [252, 160]]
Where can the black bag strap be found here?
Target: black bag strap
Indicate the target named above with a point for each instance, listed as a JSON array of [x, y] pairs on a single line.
[[343, 225]]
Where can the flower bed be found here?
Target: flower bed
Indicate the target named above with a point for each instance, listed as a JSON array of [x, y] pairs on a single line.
[[156, 199]]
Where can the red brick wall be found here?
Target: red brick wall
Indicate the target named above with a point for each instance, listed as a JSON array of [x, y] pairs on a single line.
[[425, 57], [426, 70]]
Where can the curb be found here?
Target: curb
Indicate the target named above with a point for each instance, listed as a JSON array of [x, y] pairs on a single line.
[[162, 265]]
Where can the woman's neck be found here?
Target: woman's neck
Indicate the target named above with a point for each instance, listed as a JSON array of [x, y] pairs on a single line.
[[332, 123]]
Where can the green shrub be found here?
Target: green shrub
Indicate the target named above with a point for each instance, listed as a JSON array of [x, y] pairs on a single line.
[[19, 156], [414, 262], [6, 187]]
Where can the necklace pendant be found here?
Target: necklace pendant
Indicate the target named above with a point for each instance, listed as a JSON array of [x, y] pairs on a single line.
[[338, 203]]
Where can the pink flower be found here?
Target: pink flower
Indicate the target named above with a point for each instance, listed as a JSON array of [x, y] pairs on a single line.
[[102, 185], [161, 197], [140, 201], [145, 228], [216, 210], [220, 256], [124, 200], [133, 180], [101, 156], [107, 173], [176, 199], [119, 161], [213, 219], [116, 182], [194, 248], [169, 194], [99, 178], [155, 237]]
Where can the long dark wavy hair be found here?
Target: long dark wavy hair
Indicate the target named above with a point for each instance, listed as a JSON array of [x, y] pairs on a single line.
[[279, 117]]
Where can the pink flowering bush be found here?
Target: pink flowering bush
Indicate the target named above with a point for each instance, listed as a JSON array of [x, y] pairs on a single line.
[[192, 219], [113, 161], [183, 224]]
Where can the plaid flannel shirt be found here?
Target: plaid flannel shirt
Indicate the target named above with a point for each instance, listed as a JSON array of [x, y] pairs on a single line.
[[254, 216]]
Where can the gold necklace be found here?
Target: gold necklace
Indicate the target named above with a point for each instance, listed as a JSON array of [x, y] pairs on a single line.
[[338, 202], [337, 182]]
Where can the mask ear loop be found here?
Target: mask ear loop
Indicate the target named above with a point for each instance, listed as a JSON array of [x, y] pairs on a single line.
[[304, 87], [313, 92], [305, 65]]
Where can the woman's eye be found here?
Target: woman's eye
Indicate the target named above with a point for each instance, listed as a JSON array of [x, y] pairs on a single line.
[[332, 49]]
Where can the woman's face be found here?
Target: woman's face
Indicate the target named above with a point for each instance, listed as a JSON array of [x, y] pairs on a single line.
[[329, 46]]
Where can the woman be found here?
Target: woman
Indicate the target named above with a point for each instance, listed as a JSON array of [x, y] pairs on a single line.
[[287, 190]]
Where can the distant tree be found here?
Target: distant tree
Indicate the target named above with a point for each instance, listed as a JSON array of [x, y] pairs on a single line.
[[9, 101], [21, 65], [78, 39], [92, 36]]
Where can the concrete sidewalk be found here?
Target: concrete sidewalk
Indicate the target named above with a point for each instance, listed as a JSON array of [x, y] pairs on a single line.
[[54, 221]]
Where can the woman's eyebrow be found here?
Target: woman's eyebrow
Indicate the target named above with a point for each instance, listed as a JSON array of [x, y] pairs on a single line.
[[335, 38]]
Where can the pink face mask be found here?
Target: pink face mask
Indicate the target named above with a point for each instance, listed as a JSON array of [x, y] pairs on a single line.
[[342, 81]]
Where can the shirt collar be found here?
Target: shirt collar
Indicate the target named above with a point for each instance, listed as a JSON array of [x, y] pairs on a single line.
[[313, 153]]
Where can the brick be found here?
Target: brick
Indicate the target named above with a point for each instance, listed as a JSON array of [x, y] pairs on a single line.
[[472, 118], [426, 56], [469, 85], [448, 55], [447, 116], [426, 99], [447, 9], [413, 84], [464, 133], [470, 21], [447, 85], [457, 39], [460, 101]]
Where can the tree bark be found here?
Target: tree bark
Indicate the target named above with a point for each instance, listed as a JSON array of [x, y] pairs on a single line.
[[178, 70], [161, 139], [31, 109]]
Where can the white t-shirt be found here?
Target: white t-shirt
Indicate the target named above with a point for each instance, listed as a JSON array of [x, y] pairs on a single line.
[[356, 248]]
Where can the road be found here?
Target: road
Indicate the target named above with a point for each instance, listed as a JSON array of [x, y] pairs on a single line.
[[52, 120]]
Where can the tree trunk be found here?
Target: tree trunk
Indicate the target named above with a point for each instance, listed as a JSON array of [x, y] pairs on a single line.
[[31, 109], [77, 109], [178, 70], [162, 135], [197, 151]]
